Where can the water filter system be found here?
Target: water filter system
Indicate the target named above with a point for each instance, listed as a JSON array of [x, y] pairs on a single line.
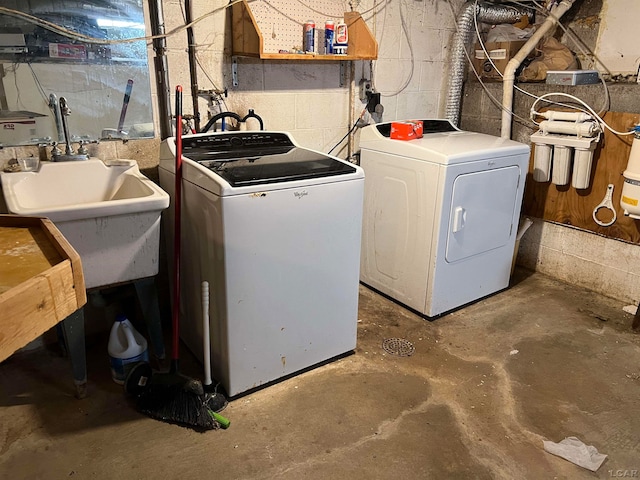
[[630, 199], [564, 146]]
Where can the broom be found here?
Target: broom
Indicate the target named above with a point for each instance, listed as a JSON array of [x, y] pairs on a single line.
[[172, 397]]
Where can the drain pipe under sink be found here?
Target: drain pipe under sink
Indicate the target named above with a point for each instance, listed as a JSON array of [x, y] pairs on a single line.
[[509, 78]]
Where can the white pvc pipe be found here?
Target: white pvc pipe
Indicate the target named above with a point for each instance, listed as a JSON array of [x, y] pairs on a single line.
[[510, 71]]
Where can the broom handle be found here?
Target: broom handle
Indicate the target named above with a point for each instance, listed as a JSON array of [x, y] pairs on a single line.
[[206, 339], [175, 353]]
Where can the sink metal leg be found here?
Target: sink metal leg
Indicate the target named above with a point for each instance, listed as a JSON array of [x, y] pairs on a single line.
[[148, 298], [73, 331]]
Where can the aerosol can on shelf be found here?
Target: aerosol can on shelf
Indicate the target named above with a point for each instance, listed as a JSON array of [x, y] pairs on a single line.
[[126, 348], [341, 40], [630, 199]]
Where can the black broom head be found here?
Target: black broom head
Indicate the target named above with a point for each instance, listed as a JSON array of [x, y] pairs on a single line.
[[171, 398]]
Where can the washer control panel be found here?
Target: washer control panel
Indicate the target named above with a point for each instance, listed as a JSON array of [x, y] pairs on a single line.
[[233, 141]]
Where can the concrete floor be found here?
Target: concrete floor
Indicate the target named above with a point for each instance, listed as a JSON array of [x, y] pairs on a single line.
[[485, 386]]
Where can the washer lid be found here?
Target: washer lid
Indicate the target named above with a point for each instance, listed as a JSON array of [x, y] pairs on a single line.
[[239, 163], [277, 164]]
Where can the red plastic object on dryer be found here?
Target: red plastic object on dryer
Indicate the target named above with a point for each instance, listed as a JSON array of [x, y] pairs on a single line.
[[409, 130]]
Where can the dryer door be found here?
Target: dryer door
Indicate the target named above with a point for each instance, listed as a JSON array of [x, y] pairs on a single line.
[[482, 210]]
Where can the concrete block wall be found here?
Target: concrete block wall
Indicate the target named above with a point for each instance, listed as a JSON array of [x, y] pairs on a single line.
[[607, 266], [305, 98], [429, 26], [604, 265]]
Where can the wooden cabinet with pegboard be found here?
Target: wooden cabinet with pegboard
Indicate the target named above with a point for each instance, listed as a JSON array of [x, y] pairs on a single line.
[[265, 31]]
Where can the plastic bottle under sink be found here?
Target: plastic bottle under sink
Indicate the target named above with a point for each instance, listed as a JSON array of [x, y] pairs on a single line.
[[126, 348]]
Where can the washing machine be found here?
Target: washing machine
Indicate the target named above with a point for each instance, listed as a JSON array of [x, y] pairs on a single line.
[[276, 231], [441, 214]]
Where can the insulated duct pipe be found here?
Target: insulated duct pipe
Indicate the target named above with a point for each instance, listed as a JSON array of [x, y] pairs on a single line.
[[509, 77], [487, 13]]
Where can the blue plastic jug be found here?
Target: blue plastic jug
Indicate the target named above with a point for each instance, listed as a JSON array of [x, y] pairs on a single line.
[[126, 348]]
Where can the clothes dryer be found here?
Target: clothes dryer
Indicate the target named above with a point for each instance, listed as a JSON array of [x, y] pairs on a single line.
[[441, 214]]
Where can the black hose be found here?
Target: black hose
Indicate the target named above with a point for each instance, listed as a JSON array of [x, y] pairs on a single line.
[[252, 114], [217, 117]]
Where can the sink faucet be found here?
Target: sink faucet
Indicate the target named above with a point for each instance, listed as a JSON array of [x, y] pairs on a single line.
[[55, 107], [69, 154]]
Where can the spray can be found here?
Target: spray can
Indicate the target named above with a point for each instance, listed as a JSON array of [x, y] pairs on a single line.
[[329, 35], [342, 39], [126, 348], [309, 36]]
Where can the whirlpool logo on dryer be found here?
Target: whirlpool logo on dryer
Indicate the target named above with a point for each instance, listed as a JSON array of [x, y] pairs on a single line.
[[300, 193]]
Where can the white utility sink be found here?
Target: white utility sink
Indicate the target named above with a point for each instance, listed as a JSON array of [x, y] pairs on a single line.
[[109, 213]]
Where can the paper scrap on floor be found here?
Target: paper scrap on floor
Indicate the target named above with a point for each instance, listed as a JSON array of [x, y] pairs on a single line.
[[573, 450]]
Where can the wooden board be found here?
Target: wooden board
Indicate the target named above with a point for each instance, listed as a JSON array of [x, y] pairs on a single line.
[[566, 205], [246, 39], [41, 280]]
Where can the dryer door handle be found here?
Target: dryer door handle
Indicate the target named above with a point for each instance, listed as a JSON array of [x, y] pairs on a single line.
[[459, 214]]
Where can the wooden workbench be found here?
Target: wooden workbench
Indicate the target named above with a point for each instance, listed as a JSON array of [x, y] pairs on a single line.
[[41, 285]]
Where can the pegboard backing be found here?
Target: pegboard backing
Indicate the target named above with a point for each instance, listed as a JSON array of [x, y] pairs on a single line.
[[282, 23]]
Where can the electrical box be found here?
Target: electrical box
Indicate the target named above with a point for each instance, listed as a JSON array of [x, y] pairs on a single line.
[[572, 77], [21, 125], [366, 89]]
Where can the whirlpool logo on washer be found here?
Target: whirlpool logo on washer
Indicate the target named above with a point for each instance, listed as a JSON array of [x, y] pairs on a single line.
[[300, 193]]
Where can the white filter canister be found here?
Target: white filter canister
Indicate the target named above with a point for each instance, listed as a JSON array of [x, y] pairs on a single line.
[[566, 116], [630, 198], [126, 348], [561, 170], [542, 162], [633, 165], [582, 160], [584, 129]]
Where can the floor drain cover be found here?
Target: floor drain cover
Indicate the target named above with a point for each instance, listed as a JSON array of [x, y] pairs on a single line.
[[398, 346]]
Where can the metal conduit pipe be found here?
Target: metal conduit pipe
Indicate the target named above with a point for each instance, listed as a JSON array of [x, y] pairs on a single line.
[[193, 69], [161, 67], [509, 77], [486, 13]]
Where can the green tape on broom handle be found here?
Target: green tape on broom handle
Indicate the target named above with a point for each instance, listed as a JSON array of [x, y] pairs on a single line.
[[223, 421]]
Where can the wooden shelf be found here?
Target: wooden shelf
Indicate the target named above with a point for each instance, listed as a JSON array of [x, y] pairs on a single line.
[[41, 280], [248, 40]]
